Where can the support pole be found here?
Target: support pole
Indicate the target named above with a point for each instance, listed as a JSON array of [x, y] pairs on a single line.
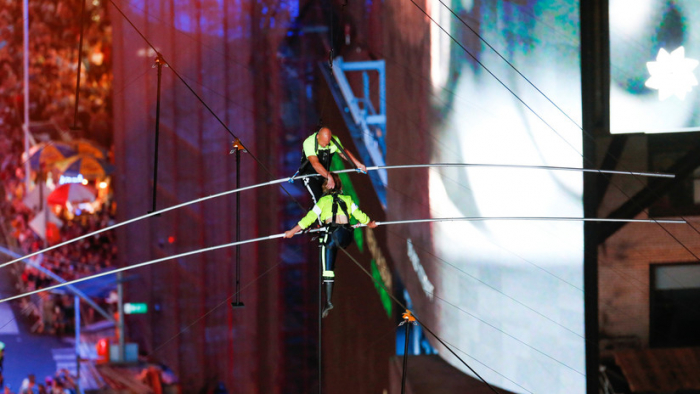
[[238, 226], [25, 18], [238, 147], [80, 65], [405, 359], [43, 207], [159, 64], [408, 319], [120, 294], [320, 328], [77, 343], [595, 110]]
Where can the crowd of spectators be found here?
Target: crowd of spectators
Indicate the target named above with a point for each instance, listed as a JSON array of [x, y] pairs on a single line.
[[55, 314], [54, 28], [61, 383]]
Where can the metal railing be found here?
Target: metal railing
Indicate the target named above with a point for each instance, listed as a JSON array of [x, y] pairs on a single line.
[[369, 122]]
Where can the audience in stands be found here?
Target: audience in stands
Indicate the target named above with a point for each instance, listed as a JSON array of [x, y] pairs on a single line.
[[53, 47]]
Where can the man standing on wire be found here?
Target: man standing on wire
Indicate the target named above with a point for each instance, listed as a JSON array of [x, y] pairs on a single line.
[[318, 150], [334, 210]]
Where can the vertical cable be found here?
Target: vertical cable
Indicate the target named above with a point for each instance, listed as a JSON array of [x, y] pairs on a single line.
[[408, 319], [405, 359], [238, 227], [80, 64], [159, 63], [238, 147], [25, 27], [320, 326]]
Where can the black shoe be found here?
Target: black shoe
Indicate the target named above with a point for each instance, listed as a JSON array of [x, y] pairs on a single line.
[[327, 309]]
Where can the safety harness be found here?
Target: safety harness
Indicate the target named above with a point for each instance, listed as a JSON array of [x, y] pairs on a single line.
[[324, 157], [333, 227], [337, 202]]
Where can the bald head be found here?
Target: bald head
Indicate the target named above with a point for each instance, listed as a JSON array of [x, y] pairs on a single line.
[[324, 136]]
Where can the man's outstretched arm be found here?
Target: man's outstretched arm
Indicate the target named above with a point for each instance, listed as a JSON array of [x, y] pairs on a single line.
[[354, 160]]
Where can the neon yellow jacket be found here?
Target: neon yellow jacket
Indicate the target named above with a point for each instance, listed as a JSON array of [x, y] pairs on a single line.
[[324, 210], [310, 145]]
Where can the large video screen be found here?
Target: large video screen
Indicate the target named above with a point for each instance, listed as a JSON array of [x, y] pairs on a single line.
[[654, 47], [507, 294]]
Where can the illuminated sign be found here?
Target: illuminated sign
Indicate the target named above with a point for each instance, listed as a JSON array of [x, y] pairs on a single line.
[[70, 179], [672, 74], [135, 308], [652, 66]]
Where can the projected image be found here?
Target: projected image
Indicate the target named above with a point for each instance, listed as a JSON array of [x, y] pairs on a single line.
[[653, 66], [509, 294]]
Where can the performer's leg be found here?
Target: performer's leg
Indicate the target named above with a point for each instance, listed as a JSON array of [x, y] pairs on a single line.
[[329, 251], [329, 294], [342, 237], [315, 187]]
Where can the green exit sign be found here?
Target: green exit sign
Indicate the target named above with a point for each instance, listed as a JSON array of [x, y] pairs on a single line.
[[134, 308]]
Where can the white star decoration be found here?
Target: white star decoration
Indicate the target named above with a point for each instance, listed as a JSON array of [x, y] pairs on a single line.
[[672, 74]]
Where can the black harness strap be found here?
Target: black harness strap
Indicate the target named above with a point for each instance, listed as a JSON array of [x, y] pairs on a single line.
[[341, 233], [338, 202], [305, 159], [334, 208]]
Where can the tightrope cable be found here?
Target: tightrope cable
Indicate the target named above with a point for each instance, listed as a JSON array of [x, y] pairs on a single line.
[[274, 236], [292, 179]]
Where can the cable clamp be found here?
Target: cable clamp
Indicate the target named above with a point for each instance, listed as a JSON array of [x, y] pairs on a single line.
[[159, 61], [237, 146], [291, 179]]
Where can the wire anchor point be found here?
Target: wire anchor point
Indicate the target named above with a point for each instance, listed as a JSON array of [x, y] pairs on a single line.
[[408, 318], [237, 146]]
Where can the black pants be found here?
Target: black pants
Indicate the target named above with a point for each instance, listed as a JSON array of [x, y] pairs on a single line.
[[336, 236]]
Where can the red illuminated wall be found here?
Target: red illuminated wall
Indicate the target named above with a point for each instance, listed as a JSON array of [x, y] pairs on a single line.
[[209, 44], [229, 54]]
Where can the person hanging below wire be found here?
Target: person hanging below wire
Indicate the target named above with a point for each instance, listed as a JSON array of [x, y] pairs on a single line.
[[317, 154], [334, 210]]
